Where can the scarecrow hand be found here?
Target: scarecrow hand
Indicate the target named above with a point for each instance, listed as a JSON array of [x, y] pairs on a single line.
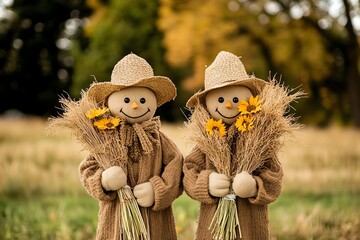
[[113, 178], [244, 185], [144, 194], [219, 184]]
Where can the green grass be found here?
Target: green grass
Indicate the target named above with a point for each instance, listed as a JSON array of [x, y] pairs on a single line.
[[48, 217], [70, 217], [292, 216], [315, 216]]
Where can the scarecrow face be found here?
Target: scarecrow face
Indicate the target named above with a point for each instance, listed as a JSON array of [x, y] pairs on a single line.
[[134, 104], [222, 103]]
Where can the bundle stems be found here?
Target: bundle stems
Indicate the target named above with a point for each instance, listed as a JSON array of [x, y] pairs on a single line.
[[131, 227], [225, 220], [258, 145], [107, 147], [254, 146]]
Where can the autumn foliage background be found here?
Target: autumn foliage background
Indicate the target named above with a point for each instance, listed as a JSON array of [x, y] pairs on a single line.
[[48, 47], [52, 48]]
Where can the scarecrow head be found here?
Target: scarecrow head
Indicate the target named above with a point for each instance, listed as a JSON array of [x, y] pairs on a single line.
[[133, 93], [226, 85]]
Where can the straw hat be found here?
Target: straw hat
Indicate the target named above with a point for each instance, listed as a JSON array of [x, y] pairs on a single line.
[[226, 70], [134, 71]]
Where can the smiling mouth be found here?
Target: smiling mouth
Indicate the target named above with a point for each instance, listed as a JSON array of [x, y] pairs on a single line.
[[136, 116], [217, 110]]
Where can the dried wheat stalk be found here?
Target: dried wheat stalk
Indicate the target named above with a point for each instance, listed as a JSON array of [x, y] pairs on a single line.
[[108, 149], [271, 125]]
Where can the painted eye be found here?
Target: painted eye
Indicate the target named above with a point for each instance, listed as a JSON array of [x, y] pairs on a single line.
[[142, 100], [126, 100], [221, 99], [235, 100]]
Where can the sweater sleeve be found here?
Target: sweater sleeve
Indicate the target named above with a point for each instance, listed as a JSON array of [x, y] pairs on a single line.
[[269, 181], [90, 177], [168, 186], [196, 177]]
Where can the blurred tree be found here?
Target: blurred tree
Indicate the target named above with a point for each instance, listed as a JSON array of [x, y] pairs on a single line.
[[270, 38], [35, 64], [333, 23], [116, 29]]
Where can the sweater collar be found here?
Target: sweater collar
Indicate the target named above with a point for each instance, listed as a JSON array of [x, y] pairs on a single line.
[[129, 133]]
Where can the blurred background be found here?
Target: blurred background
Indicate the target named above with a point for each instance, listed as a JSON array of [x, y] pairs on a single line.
[[50, 48]]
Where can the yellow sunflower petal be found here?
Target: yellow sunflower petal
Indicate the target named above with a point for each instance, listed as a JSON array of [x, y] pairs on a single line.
[[212, 125], [93, 113], [222, 129], [254, 105], [253, 100], [102, 124], [258, 109], [239, 124], [244, 123], [114, 123], [243, 107], [209, 126], [90, 114]]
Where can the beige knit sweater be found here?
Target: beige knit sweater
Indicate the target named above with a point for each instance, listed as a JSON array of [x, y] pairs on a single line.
[[163, 168], [252, 212]]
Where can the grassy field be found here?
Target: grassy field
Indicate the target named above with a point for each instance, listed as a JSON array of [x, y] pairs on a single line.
[[41, 196]]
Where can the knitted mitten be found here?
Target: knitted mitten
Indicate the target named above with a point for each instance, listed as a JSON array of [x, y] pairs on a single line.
[[113, 178], [244, 185], [144, 194], [219, 184]]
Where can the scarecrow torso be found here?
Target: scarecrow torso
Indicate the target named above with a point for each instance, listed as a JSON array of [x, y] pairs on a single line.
[[142, 166]]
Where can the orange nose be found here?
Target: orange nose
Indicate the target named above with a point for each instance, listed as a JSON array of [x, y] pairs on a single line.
[[134, 105], [229, 105]]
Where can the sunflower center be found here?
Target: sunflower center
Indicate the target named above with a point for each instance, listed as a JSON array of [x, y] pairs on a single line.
[[216, 128], [109, 125], [251, 108]]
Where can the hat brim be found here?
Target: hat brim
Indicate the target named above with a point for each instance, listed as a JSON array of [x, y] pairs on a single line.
[[254, 84], [163, 88]]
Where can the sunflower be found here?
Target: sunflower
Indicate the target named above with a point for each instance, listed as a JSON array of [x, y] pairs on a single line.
[[244, 123], [107, 123], [212, 125], [253, 106], [93, 113]]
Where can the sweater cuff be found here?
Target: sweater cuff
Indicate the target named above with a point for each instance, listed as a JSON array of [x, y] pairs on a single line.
[[202, 188], [98, 191], [258, 199], [159, 192]]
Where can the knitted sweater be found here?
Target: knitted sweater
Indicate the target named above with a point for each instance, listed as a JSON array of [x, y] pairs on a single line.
[[252, 212], [162, 168]]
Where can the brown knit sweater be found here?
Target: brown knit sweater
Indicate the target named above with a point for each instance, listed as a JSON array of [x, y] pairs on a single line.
[[162, 168], [252, 212]]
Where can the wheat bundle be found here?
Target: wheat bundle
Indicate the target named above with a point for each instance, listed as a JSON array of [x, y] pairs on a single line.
[[214, 145], [270, 125], [260, 137], [105, 144]]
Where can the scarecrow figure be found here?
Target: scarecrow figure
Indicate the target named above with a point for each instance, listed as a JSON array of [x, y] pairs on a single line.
[[153, 163], [233, 165]]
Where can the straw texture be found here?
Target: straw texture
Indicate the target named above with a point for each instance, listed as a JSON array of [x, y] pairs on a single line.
[[108, 148], [225, 222], [214, 146], [145, 154], [253, 150], [226, 70], [134, 71], [271, 126]]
